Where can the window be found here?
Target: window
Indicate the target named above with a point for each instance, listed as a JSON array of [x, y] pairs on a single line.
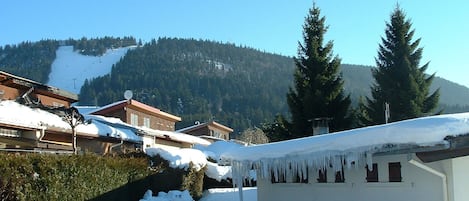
[[322, 176], [395, 172], [146, 122], [339, 176], [133, 119], [279, 178], [372, 175], [301, 177]]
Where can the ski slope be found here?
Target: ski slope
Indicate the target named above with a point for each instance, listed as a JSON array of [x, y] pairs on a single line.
[[70, 69]]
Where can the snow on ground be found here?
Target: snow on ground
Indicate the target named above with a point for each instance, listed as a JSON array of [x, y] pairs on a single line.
[[229, 194], [170, 196], [70, 69], [216, 194]]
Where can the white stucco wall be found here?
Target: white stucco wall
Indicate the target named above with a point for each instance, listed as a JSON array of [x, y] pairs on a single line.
[[149, 142], [417, 185], [460, 179]]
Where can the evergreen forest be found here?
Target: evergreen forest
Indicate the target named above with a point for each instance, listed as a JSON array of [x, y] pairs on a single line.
[[198, 80]]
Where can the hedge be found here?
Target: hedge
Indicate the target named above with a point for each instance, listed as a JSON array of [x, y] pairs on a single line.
[[67, 177], [91, 177], [176, 178]]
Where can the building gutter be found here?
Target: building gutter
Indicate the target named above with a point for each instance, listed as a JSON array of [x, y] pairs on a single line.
[[434, 172]]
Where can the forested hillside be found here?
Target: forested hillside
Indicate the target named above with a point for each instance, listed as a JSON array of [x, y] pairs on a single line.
[[29, 59], [33, 59], [197, 80]]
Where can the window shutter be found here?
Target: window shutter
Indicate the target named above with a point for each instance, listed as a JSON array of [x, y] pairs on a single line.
[[372, 175], [395, 172]]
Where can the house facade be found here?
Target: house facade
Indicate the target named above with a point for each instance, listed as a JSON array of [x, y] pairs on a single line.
[[423, 159], [211, 130], [169, 139], [13, 87], [139, 114], [415, 180], [156, 128], [18, 133], [24, 128]]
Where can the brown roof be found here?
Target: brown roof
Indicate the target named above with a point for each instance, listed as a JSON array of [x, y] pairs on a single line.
[[210, 123], [21, 82], [141, 106]]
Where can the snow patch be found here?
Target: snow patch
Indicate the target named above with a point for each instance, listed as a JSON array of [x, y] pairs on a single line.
[[218, 148], [228, 194], [180, 158], [70, 69], [217, 172], [170, 196]]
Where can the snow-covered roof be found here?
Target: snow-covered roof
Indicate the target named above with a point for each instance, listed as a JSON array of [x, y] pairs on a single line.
[[201, 125], [109, 127], [86, 109], [144, 107], [13, 113], [180, 158], [176, 136], [357, 145]]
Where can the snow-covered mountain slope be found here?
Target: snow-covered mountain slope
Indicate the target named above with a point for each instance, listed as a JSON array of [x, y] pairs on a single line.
[[70, 69]]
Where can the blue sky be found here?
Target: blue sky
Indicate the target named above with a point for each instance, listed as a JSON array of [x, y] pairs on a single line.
[[272, 26]]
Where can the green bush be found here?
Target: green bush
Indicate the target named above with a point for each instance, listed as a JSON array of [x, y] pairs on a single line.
[[181, 179], [66, 177]]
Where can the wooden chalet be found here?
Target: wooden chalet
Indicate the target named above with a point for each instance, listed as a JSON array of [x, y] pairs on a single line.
[[139, 114], [155, 126], [31, 119], [211, 130], [13, 87]]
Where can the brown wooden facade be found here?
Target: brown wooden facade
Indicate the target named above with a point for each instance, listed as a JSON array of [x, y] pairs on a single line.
[[13, 87], [211, 128], [18, 137], [139, 114]]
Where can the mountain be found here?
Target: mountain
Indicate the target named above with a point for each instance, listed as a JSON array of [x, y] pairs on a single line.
[[198, 80]]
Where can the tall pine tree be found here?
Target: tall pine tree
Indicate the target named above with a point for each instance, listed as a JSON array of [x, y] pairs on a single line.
[[399, 81], [318, 86]]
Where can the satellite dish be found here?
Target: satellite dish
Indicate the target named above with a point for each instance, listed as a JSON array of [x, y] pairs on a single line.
[[128, 94]]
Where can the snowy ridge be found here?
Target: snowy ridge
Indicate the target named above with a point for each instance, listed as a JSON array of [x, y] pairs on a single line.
[[354, 148], [70, 69]]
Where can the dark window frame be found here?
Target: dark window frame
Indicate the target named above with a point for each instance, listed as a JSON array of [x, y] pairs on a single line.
[[339, 176], [395, 172], [281, 178], [298, 178], [372, 175], [322, 176]]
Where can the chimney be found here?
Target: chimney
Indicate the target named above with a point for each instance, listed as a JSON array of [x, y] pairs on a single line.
[[321, 125]]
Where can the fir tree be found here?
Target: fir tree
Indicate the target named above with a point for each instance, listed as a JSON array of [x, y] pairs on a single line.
[[399, 81], [318, 86]]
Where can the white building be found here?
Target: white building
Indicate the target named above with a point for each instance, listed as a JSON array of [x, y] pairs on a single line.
[[424, 159]]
